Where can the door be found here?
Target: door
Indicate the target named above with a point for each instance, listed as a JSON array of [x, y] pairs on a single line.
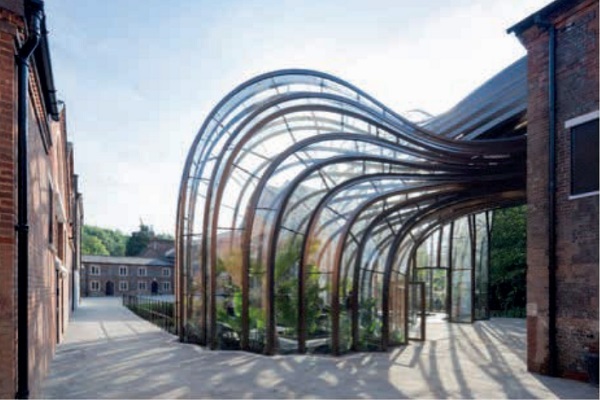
[[416, 311], [110, 288], [154, 287]]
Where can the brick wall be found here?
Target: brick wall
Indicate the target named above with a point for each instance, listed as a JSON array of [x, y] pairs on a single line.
[[8, 218], [47, 163], [576, 219]]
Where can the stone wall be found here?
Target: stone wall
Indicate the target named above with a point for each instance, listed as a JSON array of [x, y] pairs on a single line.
[[110, 272]]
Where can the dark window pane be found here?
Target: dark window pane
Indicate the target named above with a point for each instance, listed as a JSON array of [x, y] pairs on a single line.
[[584, 158]]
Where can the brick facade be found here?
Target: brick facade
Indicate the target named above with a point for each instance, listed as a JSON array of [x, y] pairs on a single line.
[[51, 203], [9, 25], [576, 24]]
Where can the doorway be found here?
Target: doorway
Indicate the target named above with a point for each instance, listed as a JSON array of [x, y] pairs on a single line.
[[110, 288]]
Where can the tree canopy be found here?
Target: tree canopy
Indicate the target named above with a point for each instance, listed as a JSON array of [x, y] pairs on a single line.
[[508, 260], [101, 241], [107, 242], [139, 240]]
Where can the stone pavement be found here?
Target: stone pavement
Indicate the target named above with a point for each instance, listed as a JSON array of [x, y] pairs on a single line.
[[111, 353]]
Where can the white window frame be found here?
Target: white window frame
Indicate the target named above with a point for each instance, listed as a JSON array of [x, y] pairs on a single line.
[[142, 271], [123, 268], [144, 284], [166, 272], [571, 123], [95, 286], [166, 286], [123, 286], [95, 270]]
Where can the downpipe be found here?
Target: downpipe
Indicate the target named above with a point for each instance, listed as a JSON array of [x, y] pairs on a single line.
[[552, 345], [22, 226]]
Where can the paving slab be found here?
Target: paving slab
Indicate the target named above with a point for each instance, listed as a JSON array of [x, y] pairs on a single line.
[[109, 352]]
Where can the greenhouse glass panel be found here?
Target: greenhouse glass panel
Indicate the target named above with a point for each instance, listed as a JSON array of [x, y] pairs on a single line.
[[308, 211]]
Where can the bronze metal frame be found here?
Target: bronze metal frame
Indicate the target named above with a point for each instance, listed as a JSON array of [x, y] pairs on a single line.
[[308, 154]]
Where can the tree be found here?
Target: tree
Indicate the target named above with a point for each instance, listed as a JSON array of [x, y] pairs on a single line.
[[91, 245], [139, 240], [101, 241], [508, 261]]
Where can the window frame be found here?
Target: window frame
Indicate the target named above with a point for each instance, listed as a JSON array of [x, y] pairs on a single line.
[[97, 267], [123, 286], [166, 286], [121, 267], [92, 289], [168, 272], [570, 124], [140, 269], [142, 283], [50, 214]]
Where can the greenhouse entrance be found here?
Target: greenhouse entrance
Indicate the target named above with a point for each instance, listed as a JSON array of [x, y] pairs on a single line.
[[312, 218]]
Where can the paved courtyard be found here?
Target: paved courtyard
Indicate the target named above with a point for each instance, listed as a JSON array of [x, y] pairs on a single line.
[[111, 353]]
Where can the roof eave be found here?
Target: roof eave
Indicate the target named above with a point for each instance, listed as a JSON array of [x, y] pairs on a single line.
[[541, 14]]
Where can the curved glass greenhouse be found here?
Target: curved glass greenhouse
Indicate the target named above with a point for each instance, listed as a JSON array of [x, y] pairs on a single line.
[[313, 218]]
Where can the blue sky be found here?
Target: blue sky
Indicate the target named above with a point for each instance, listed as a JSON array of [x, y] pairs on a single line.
[[139, 76]]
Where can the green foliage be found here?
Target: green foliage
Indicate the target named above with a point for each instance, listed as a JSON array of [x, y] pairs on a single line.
[[508, 262], [139, 240], [233, 321], [91, 245], [370, 324], [107, 242], [103, 242], [286, 304]]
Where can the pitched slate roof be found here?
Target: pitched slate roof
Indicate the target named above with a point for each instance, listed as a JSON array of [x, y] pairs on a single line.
[[153, 262]]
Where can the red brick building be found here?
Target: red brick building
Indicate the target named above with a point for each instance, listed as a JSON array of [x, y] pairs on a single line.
[[562, 185], [40, 208]]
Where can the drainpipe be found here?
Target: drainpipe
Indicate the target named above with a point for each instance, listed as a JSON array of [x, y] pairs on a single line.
[[552, 202], [552, 346], [22, 226]]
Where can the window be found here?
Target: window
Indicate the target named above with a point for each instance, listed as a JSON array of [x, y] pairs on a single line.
[[122, 271], [50, 215], [94, 286], [142, 285], [166, 286], [60, 241], [584, 154], [166, 272], [142, 271], [123, 286], [94, 270]]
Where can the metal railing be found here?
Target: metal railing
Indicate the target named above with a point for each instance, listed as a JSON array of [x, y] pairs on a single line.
[[154, 309]]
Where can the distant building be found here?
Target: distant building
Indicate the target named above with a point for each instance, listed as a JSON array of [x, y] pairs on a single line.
[[159, 248], [118, 276]]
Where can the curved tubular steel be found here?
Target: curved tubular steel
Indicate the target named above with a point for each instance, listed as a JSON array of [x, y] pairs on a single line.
[[287, 194], [226, 173], [367, 234], [309, 154], [417, 219], [346, 232]]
